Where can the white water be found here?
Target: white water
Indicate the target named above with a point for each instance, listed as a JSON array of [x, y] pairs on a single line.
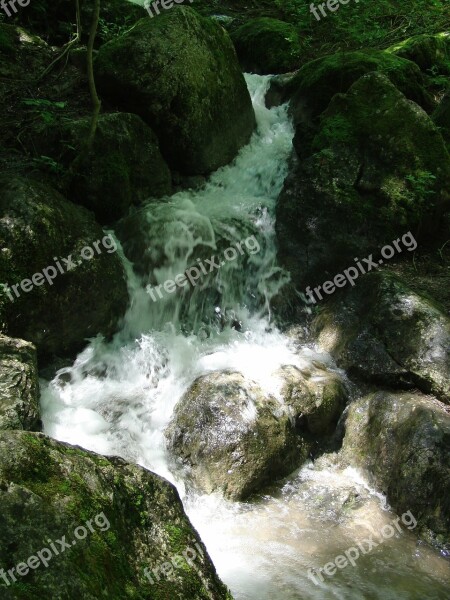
[[118, 397]]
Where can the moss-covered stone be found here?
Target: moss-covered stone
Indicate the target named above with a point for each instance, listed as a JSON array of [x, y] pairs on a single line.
[[402, 441], [124, 167], [267, 46], [376, 168], [19, 387], [429, 52], [49, 489], [381, 331], [38, 227], [180, 73], [319, 80]]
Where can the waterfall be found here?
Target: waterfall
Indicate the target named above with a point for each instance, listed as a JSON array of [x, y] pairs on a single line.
[[118, 396]]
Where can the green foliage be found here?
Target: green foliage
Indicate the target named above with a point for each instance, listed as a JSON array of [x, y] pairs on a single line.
[[45, 110], [422, 184], [365, 24]]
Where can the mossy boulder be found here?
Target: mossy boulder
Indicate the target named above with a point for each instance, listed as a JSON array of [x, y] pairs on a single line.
[[117, 520], [382, 332], [319, 80], [38, 228], [362, 182], [123, 168], [235, 438], [428, 51], [19, 385], [267, 46], [180, 73], [402, 442]]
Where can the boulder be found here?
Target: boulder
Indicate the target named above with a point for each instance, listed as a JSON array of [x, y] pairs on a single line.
[[124, 167], [235, 438], [382, 332], [362, 182], [402, 442], [319, 80], [267, 46], [180, 73], [428, 51], [83, 296], [19, 385], [95, 525]]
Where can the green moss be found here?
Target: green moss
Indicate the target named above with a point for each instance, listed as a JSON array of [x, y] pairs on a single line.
[[267, 46], [319, 80]]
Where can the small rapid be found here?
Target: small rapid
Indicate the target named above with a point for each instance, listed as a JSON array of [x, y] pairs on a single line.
[[118, 396]]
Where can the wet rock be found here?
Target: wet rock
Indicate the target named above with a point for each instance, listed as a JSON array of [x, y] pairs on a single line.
[[19, 386], [402, 440], [165, 70], [267, 46], [383, 332], [316, 397], [38, 228], [236, 438], [363, 182], [136, 522]]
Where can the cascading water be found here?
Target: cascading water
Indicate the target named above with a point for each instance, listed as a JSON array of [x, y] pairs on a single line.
[[119, 396]]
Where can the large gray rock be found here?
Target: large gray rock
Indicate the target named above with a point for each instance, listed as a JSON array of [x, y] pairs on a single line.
[[38, 229], [383, 332], [180, 73], [19, 385], [402, 441], [236, 438], [117, 519]]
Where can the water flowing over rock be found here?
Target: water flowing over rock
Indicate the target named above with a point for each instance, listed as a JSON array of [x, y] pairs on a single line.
[[180, 73], [137, 522], [236, 438], [383, 332], [19, 388], [38, 226], [403, 441]]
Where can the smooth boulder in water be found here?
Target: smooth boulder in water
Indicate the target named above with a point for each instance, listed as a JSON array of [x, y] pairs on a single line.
[[235, 437]]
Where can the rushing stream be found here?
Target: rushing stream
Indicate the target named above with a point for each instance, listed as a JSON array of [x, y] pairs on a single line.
[[119, 396]]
